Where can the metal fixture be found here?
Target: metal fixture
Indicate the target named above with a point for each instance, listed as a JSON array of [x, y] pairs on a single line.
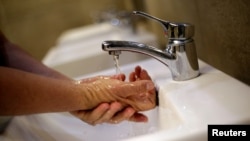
[[180, 53]]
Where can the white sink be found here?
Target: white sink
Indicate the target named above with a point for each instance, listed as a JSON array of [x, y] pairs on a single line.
[[185, 110], [188, 107]]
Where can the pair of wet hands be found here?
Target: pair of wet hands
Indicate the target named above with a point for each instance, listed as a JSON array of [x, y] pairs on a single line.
[[113, 100]]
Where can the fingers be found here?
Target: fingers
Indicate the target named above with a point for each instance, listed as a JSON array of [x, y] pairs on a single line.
[[132, 77], [105, 113], [138, 117], [125, 114], [128, 114], [138, 70], [107, 116], [135, 75], [144, 75], [139, 74], [91, 116], [110, 113]]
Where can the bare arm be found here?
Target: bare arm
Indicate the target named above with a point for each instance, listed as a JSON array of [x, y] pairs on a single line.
[[26, 93], [14, 57], [38, 94], [28, 86]]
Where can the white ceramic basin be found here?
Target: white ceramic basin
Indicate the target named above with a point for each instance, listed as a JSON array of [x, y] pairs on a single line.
[[187, 107], [185, 110]]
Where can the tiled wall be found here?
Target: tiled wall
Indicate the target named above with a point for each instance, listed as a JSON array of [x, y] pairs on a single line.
[[222, 30]]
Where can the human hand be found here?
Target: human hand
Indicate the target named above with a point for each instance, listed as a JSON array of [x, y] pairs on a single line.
[[107, 112], [115, 112]]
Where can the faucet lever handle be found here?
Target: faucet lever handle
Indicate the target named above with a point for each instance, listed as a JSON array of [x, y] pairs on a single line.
[[172, 30], [165, 24]]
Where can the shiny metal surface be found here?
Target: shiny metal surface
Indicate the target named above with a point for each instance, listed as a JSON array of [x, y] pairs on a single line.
[[172, 30], [180, 53]]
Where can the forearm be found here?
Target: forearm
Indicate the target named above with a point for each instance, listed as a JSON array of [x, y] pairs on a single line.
[[14, 57], [27, 93]]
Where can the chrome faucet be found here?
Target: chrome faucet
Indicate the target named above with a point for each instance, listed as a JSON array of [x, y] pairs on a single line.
[[180, 53]]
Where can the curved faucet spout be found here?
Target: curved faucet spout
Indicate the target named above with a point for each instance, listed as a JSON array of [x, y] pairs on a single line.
[[179, 56], [156, 53]]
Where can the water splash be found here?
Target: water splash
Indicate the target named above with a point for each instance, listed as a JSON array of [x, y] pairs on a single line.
[[117, 66]]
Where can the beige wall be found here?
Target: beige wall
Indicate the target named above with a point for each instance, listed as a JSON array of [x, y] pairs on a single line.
[[222, 26], [36, 24], [222, 30]]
